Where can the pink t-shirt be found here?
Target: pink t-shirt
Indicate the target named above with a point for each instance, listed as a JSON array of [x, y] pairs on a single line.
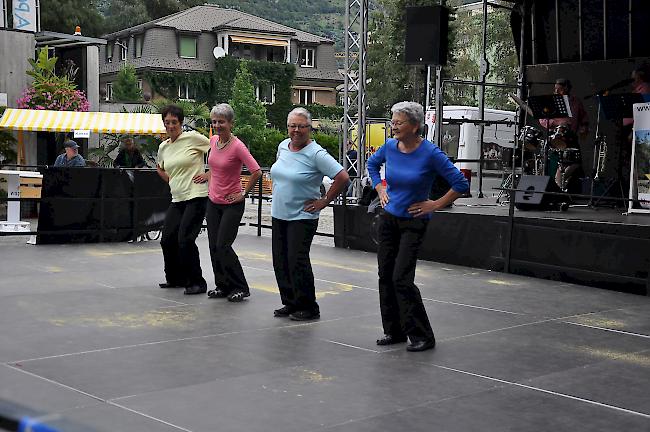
[[225, 168]]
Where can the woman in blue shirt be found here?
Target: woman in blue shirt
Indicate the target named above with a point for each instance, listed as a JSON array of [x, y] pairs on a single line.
[[411, 164], [297, 175]]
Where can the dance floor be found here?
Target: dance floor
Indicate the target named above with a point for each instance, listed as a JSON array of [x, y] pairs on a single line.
[[91, 343]]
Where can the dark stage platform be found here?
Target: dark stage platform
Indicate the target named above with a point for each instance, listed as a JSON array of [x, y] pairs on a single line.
[[87, 335], [599, 247]]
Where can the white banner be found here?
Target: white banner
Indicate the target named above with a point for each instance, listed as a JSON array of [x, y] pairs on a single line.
[[640, 166], [24, 13]]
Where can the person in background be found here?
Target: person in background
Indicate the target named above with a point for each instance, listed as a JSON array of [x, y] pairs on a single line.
[[71, 157], [180, 160], [410, 163], [297, 175], [129, 156], [226, 203]]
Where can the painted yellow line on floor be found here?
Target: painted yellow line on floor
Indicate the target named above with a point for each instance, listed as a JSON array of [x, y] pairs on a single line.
[[151, 319], [501, 282], [54, 269], [103, 254], [337, 288]]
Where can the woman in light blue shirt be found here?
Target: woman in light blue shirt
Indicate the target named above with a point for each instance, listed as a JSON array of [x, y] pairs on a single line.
[[297, 175]]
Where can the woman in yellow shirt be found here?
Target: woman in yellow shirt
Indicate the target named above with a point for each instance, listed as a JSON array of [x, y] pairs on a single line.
[[180, 159]]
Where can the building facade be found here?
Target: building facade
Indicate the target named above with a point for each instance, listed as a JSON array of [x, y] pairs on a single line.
[[186, 41]]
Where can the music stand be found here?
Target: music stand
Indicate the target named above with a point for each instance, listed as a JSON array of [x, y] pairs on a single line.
[[549, 107]]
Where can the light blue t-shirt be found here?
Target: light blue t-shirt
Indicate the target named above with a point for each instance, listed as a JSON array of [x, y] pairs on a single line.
[[297, 177]]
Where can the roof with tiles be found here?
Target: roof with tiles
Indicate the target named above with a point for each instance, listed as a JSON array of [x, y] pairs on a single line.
[[210, 18]]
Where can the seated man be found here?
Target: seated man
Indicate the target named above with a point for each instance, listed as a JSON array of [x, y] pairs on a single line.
[[129, 156], [71, 157]]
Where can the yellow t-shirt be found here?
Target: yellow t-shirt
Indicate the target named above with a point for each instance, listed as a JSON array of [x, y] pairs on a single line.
[[182, 160]]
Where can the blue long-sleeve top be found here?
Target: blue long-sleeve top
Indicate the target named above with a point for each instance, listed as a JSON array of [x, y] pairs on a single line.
[[409, 176]]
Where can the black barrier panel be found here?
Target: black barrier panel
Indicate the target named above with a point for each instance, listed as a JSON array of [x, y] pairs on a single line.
[[94, 204], [152, 197]]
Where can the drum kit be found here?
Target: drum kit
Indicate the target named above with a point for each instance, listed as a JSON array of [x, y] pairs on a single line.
[[562, 147]]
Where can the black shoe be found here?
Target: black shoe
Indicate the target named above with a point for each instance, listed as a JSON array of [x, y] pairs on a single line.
[[390, 340], [217, 293], [238, 296], [284, 311], [169, 285], [421, 345], [195, 289], [304, 315]]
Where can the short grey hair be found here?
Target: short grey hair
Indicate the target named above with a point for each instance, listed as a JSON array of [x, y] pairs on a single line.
[[223, 110], [413, 111], [302, 112]]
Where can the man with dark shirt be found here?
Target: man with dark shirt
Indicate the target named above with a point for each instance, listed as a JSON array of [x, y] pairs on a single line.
[[129, 156]]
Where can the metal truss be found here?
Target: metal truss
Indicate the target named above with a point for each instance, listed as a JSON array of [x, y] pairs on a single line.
[[354, 94]]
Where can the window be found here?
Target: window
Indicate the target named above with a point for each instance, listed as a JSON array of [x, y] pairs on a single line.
[[307, 57], [306, 96], [123, 50], [186, 92], [109, 91], [265, 93], [139, 40], [109, 52], [187, 47]]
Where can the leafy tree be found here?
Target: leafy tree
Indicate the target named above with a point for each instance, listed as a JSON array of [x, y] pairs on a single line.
[[391, 80], [467, 52], [64, 15], [121, 14], [249, 112], [125, 87]]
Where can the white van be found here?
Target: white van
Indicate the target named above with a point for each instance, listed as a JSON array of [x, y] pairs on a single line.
[[461, 141]]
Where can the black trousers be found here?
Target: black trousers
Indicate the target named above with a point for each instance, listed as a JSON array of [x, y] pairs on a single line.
[[223, 225], [183, 222], [290, 245], [402, 310]]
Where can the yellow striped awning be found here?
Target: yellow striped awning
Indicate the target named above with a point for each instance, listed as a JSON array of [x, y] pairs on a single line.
[[259, 41], [67, 121]]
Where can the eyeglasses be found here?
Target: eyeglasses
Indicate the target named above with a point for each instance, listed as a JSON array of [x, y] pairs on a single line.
[[297, 126], [397, 123]]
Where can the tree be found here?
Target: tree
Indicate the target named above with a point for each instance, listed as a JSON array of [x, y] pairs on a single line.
[[121, 14], [391, 80], [249, 112], [63, 15], [125, 87], [467, 49]]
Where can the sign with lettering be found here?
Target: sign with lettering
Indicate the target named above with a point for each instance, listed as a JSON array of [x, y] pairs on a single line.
[[24, 12], [82, 133], [640, 166]]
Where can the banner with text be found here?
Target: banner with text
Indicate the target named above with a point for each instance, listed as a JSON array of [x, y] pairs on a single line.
[[640, 167], [24, 13]]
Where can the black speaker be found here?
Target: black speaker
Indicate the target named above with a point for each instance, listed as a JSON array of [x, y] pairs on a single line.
[[530, 199], [426, 35]]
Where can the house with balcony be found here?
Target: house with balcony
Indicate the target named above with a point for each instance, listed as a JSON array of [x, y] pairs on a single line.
[[185, 41]]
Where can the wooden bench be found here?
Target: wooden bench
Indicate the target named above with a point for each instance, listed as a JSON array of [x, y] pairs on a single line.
[[267, 185]]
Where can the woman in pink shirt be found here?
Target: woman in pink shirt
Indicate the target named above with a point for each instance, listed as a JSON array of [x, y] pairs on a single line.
[[226, 203]]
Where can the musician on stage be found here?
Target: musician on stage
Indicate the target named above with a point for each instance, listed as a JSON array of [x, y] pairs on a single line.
[[565, 133]]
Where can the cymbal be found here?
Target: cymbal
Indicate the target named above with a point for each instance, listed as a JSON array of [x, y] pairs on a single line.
[[520, 103]]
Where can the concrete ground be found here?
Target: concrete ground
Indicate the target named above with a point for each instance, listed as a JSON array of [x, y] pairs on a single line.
[[88, 338]]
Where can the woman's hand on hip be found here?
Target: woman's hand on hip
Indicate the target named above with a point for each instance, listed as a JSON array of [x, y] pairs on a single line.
[[315, 205], [234, 198], [383, 195], [424, 207], [201, 178]]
